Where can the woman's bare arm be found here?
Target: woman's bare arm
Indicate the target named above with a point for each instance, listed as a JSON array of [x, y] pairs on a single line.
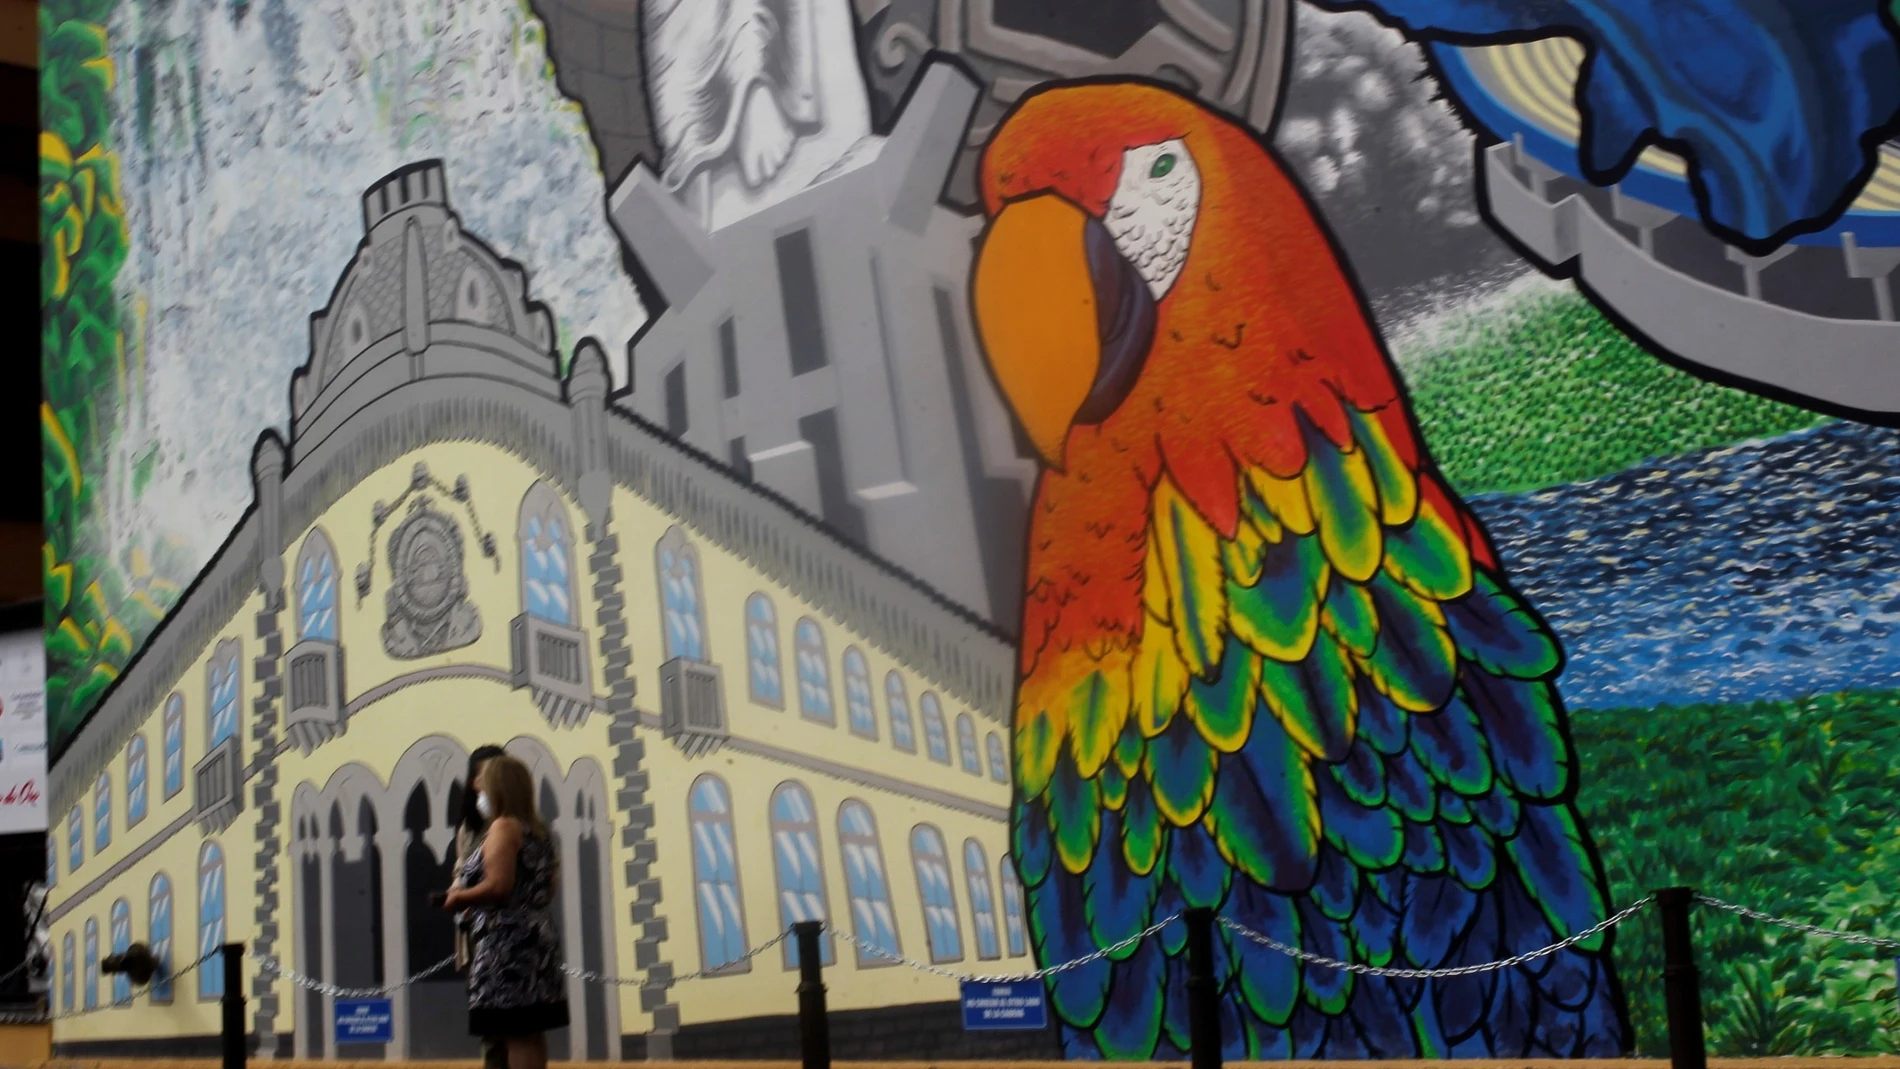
[[500, 848]]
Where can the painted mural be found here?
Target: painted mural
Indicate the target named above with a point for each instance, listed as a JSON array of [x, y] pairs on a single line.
[[1413, 475]]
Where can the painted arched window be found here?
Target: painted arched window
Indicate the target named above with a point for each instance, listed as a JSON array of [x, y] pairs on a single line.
[[159, 905], [52, 859], [547, 557], [210, 918], [763, 666], [814, 671], [174, 744], [66, 956], [121, 941], [976, 869], [92, 963], [102, 812], [221, 694], [860, 712], [682, 604], [932, 863], [936, 735], [75, 840], [872, 919], [1013, 909], [966, 745], [999, 763], [316, 588], [903, 732], [722, 939], [135, 790], [798, 862]]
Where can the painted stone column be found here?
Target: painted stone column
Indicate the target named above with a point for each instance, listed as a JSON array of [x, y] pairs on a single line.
[[267, 469], [587, 394]]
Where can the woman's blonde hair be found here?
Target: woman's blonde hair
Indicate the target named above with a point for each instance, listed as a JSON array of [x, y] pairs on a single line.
[[510, 788]]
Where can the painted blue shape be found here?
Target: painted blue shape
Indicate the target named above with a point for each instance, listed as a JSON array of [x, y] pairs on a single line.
[[991, 1007], [1779, 105], [364, 1021]]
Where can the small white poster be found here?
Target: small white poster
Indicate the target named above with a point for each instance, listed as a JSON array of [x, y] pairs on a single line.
[[22, 732]]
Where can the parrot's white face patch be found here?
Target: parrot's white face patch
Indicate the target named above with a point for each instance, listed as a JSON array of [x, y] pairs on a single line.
[[1153, 210]]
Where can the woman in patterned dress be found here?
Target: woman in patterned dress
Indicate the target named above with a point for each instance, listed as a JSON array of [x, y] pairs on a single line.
[[517, 990], [468, 839]]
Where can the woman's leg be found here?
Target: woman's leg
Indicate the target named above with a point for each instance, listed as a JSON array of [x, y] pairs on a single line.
[[528, 1052]]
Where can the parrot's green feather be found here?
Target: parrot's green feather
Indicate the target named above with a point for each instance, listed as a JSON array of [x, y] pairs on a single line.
[[1398, 487], [1315, 699], [1415, 663], [1090, 722], [1340, 489], [1143, 837], [1074, 815], [1278, 615], [1351, 617], [1223, 707], [1191, 563], [1429, 558]]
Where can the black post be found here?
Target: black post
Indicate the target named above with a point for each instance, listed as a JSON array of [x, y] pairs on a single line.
[[233, 1031], [1203, 995], [1682, 988], [814, 1028]]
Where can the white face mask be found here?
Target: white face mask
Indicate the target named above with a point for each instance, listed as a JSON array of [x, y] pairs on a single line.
[[483, 806]]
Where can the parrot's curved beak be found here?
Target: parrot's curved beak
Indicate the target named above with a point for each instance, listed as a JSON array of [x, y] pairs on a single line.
[[1065, 320]]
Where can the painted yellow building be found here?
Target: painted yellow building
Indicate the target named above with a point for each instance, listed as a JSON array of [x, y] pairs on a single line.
[[736, 719]]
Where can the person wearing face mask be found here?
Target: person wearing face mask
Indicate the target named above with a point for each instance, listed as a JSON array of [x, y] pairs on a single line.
[[517, 986], [468, 839]]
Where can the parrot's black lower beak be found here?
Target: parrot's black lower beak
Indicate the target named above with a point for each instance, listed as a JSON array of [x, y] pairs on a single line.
[[1125, 322]]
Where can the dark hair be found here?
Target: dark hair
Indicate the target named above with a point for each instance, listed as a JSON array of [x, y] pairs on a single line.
[[472, 817]]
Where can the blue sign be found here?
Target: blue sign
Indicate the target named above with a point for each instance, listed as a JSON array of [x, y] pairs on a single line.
[[364, 1021], [991, 1006]]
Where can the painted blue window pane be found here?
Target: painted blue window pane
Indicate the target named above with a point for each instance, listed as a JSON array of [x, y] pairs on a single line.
[[545, 554], [52, 860], [872, 919], [101, 812], [66, 956], [121, 940], [224, 699], [859, 709], [161, 917], [679, 591], [210, 918], [316, 594], [92, 965], [799, 867], [135, 781], [932, 862], [966, 745], [75, 840], [763, 664], [716, 876], [174, 746], [1013, 911], [999, 764], [936, 736], [903, 733], [814, 673], [976, 869]]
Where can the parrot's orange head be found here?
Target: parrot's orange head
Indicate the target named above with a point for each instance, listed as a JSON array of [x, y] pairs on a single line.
[[1093, 192]]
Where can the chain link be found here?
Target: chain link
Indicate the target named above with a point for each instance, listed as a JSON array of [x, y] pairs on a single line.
[[276, 968], [1808, 929], [16, 970], [1020, 978], [1431, 974], [46, 1018]]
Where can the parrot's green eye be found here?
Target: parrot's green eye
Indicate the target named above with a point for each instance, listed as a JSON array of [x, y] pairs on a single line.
[[1162, 165]]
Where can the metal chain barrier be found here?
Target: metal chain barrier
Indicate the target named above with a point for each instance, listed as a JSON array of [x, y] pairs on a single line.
[[1434, 974], [1806, 929], [276, 968], [46, 1018], [16, 970], [1020, 978], [622, 981]]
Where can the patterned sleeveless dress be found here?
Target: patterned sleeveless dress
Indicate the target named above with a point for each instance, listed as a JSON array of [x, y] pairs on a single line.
[[515, 983]]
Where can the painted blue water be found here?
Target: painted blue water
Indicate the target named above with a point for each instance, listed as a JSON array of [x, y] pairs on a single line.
[[1769, 570]]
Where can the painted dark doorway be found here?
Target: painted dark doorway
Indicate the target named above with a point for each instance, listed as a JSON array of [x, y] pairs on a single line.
[[559, 1043], [587, 866], [311, 1020], [438, 1007], [356, 915]]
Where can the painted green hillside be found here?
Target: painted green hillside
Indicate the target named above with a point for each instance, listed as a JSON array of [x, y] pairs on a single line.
[[1544, 390], [1786, 807]]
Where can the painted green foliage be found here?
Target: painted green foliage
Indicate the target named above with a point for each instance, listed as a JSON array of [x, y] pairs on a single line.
[[1791, 810], [95, 615]]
